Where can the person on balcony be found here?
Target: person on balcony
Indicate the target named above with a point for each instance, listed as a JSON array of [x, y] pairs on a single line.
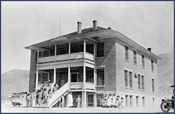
[[78, 100]]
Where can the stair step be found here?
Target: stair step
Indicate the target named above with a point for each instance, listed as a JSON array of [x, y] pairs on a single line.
[[41, 106]]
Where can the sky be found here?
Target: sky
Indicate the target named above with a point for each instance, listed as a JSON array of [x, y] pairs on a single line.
[[150, 24]]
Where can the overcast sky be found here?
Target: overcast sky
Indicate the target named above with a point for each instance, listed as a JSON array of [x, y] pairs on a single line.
[[151, 24]]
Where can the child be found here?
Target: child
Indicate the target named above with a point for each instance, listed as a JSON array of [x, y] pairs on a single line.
[[78, 100]]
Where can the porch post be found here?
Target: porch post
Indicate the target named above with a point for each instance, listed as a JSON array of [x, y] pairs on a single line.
[[95, 100], [37, 71], [69, 64], [54, 78], [36, 87], [84, 100]]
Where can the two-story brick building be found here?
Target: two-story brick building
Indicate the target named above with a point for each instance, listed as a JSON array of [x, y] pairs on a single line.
[[94, 61]]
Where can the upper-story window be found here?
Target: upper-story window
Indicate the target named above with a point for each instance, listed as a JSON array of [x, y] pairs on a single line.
[[77, 47], [62, 48], [100, 76], [126, 78], [126, 53], [100, 49], [139, 80], [152, 85], [135, 57], [143, 83], [143, 61], [152, 65]]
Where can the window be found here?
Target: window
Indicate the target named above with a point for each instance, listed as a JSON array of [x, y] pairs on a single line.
[[126, 53], [152, 65], [135, 57], [143, 101], [126, 100], [100, 76], [137, 101], [131, 101], [89, 75], [46, 53], [152, 85], [143, 83], [62, 48], [139, 86], [126, 78], [130, 79], [100, 49], [143, 61], [77, 47], [90, 100]]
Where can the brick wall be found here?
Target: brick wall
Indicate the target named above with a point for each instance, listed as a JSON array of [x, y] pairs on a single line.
[[32, 78]]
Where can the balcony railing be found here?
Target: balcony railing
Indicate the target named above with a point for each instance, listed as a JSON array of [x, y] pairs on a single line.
[[66, 57]]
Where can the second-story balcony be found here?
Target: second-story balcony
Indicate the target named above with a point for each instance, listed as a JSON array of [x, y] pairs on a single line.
[[67, 51]]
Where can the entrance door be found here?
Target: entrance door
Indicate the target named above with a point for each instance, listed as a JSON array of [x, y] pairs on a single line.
[[90, 100]]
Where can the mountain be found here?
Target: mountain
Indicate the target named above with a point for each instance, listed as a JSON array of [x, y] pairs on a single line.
[[166, 74], [14, 81]]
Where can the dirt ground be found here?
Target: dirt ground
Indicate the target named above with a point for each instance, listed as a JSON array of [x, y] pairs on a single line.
[[6, 107]]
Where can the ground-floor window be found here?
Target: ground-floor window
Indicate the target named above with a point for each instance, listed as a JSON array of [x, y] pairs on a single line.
[[90, 100], [126, 100], [143, 101], [131, 101], [137, 101]]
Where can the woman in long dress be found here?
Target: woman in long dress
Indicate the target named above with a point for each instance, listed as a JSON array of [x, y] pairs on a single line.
[[70, 100]]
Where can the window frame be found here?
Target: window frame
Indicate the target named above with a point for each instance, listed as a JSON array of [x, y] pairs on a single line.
[[135, 57], [143, 61], [100, 68], [126, 53]]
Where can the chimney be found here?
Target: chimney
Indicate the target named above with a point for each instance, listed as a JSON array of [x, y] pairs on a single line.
[[109, 28], [94, 25], [79, 28], [149, 49]]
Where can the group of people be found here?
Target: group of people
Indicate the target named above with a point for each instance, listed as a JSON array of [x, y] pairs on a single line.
[[41, 96], [44, 93], [70, 101], [112, 101]]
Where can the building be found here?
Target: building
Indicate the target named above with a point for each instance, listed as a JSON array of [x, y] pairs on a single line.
[[92, 62]]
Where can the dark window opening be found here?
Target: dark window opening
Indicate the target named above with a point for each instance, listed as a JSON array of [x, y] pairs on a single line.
[[100, 76], [100, 49], [126, 78], [143, 61], [130, 79], [89, 75], [77, 74], [152, 65], [135, 57], [139, 85], [126, 53]]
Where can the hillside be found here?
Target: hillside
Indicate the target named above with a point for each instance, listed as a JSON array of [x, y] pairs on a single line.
[[14, 81], [166, 74]]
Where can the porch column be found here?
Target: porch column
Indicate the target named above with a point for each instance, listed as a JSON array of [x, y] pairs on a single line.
[[54, 78], [69, 75], [36, 79], [84, 99], [84, 66], [95, 100]]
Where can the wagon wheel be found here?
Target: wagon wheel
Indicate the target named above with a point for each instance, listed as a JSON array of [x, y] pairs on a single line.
[[165, 106]]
